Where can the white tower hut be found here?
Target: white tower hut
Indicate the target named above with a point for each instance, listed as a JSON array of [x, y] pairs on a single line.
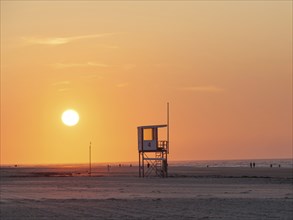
[[153, 152]]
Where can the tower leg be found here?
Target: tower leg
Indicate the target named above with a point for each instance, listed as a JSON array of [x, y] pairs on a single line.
[[166, 169], [142, 164], [139, 165]]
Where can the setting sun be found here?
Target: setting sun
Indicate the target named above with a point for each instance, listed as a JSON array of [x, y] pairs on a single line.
[[70, 117]]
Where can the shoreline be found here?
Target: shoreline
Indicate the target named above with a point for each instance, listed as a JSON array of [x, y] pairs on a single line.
[[174, 171]]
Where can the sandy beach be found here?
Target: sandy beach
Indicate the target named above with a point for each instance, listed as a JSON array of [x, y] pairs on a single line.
[[188, 193]]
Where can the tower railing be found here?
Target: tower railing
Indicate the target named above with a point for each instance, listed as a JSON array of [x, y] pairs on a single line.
[[163, 145]]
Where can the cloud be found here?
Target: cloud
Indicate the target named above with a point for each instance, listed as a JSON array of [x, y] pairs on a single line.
[[63, 89], [62, 40], [61, 86], [87, 64], [203, 89]]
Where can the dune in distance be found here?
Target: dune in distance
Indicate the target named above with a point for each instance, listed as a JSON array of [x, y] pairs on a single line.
[[116, 192]]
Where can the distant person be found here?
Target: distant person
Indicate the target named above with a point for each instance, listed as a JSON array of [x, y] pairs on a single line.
[[207, 166], [250, 165], [130, 165], [279, 165], [253, 164], [119, 165], [271, 165], [108, 167]]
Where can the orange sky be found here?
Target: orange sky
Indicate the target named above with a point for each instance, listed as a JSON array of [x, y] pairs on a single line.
[[225, 67]]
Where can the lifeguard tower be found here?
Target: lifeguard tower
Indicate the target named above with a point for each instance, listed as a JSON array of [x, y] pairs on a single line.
[[153, 152]]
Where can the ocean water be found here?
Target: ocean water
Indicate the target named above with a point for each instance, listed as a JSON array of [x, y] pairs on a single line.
[[286, 163]]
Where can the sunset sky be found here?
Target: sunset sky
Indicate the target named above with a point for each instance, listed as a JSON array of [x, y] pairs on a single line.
[[224, 66]]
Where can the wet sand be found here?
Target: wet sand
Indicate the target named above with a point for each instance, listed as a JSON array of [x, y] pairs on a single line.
[[188, 193]]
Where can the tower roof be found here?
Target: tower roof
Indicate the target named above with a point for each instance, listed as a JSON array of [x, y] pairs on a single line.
[[153, 126]]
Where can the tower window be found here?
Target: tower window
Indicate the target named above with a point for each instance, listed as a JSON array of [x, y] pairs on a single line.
[[148, 134]]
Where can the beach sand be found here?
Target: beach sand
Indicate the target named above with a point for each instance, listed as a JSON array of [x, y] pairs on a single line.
[[188, 193]]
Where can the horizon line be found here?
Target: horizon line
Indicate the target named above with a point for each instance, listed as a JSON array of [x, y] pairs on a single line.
[[130, 162]]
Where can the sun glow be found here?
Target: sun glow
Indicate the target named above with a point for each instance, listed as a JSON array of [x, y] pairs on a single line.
[[70, 117]]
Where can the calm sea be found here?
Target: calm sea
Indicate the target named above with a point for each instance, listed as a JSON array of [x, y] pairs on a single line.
[[288, 163]]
